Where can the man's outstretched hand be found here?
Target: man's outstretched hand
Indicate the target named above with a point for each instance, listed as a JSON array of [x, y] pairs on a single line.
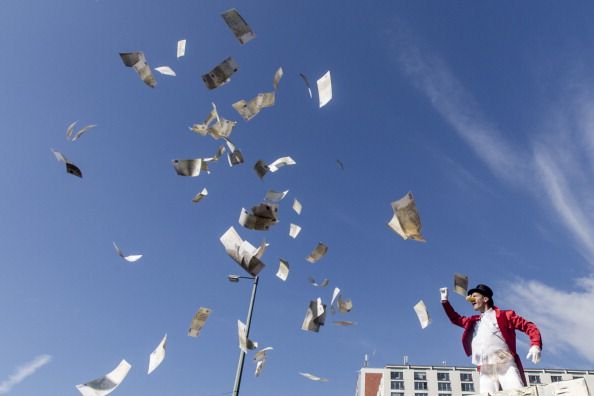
[[444, 294], [534, 354]]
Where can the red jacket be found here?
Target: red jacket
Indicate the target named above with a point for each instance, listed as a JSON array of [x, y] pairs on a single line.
[[508, 322]]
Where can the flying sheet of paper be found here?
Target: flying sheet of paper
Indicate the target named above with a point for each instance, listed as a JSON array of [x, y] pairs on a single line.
[[70, 167], [306, 81], [234, 156], [105, 385], [78, 134], [422, 314], [181, 48], [166, 70], [260, 359], [198, 321], [277, 77], [244, 342], [344, 306], [315, 316], [297, 206], [294, 230], [158, 355], [214, 125], [344, 323], [406, 221], [262, 217], [137, 61], [283, 270], [325, 89], [242, 252], [275, 196], [323, 283], [335, 294], [261, 168], [198, 197], [220, 74], [130, 258], [279, 163], [247, 109], [314, 377], [461, 284], [319, 252], [238, 26]]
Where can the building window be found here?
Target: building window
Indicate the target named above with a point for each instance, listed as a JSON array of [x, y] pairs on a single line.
[[421, 394], [577, 377], [396, 375], [420, 385], [465, 377], [467, 387], [398, 385], [444, 394], [443, 377], [444, 386], [534, 379], [396, 393], [556, 378], [420, 376]]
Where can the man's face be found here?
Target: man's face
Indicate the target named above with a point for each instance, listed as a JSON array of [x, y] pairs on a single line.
[[480, 302]]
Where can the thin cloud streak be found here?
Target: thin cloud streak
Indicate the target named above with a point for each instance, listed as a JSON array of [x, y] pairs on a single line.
[[23, 372]]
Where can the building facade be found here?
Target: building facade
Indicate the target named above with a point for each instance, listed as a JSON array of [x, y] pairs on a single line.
[[412, 380]]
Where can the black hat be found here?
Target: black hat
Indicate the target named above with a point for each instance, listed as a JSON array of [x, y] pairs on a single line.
[[482, 289]]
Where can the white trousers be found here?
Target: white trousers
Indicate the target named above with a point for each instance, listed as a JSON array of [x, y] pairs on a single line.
[[506, 375]]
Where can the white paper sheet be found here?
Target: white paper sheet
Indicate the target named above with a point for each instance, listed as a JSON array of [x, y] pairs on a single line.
[[130, 258], [314, 377], [198, 197], [275, 196], [283, 270], [406, 221], [70, 167], [105, 385], [294, 230], [260, 359], [242, 252], [181, 48], [319, 252], [297, 206], [137, 61], [158, 355], [323, 283], [238, 26], [325, 89], [422, 314], [244, 342], [166, 70], [279, 163], [461, 284]]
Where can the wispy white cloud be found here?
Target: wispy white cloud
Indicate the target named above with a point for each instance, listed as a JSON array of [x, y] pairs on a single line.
[[554, 169], [23, 372]]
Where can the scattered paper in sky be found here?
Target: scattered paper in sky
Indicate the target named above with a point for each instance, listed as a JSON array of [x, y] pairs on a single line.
[[234, 155], [306, 81], [238, 26], [283, 270], [406, 221], [277, 77], [158, 355], [215, 126], [335, 294], [137, 61], [294, 230], [244, 342], [198, 197], [220, 74], [198, 321], [314, 377], [279, 163], [262, 217], [325, 89], [249, 109], [422, 314], [193, 167], [131, 258], [461, 284], [70, 167], [319, 252], [275, 196], [181, 48], [243, 252], [105, 385], [344, 306], [297, 206], [343, 323], [323, 283], [78, 134], [166, 70], [261, 168], [260, 359], [315, 316]]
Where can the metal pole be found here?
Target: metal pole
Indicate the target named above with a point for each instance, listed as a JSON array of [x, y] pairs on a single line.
[[247, 331]]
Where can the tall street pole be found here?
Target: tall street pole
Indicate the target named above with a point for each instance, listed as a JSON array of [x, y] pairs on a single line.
[[247, 334]]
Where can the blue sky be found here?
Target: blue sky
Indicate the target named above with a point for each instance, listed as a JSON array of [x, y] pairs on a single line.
[[482, 110]]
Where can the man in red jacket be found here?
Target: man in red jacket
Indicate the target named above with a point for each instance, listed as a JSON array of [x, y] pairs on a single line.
[[490, 338]]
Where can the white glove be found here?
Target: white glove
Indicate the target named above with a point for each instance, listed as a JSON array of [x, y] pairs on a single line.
[[444, 293], [534, 354]]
